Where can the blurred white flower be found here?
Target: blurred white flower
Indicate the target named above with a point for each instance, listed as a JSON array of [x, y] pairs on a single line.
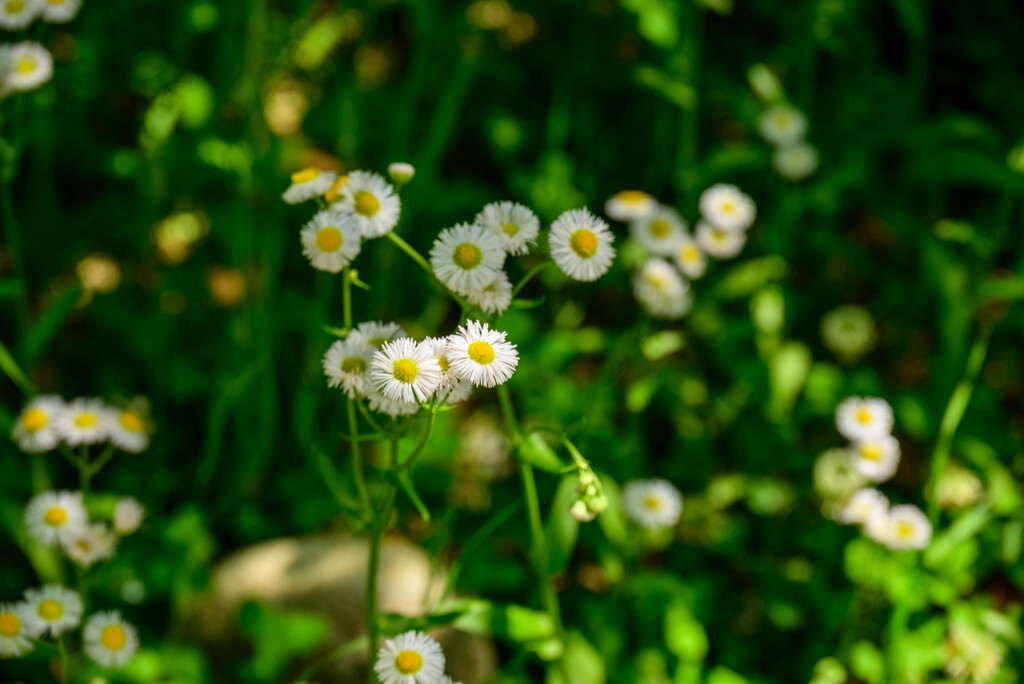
[[35, 430], [581, 245], [54, 609], [629, 205], [876, 458], [515, 225], [467, 257], [782, 125], [373, 201], [662, 291], [346, 363], [863, 418], [109, 640], [796, 161], [654, 504], [54, 517], [720, 243], [661, 232], [309, 183], [726, 207]]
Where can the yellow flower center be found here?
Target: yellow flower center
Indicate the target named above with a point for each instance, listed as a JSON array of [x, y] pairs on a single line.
[[366, 203], [34, 420], [376, 341], [56, 2], [871, 452], [10, 625], [83, 545], [783, 120], [654, 280], [511, 229], [405, 370], [481, 352], [467, 256], [329, 239], [26, 65], [443, 363], [15, 6], [50, 610], [305, 175], [690, 253], [904, 530], [131, 421], [727, 207], [334, 192], [113, 637], [86, 420], [353, 364], [633, 196], [584, 243], [863, 416], [408, 662], [652, 503], [55, 517], [659, 228]]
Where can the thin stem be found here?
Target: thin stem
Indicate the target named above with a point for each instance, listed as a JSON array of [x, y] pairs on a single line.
[[84, 472], [686, 172], [530, 275], [357, 458], [423, 441], [381, 524], [346, 296], [13, 237], [418, 258], [13, 371], [98, 464], [65, 662]]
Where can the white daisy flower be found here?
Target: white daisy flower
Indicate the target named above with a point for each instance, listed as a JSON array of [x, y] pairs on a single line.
[[331, 240], [481, 355], [389, 407], [374, 201], [91, 545], [404, 370], [904, 527], [452, 389], [60, 11], [795, 162], [662, 291], [18, 14], [85, 421], [401, 173], [29, 65], [863, 417], [876, 458], [345, 365], [448, 680], [581, 245], [661, 232], [375, 333], [459, 392], [128, 430], [53, 517], [410, 658], [654, 504], [110, 641], [690, 259], [726, 207], [54, 609], [515, 225], [308, 183], [35, 430], [863, 505], [782, 125], [128, 516], [494, 298], [629, 205], [16, 630], [719, 242], [466, 257]]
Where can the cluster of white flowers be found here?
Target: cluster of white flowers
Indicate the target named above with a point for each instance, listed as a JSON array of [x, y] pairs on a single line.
[[652, 504], [874, 454], [396, 374], [411, 658], [785, 127], [54, 610], [47, 421], [28, 65], [675, 257], [60, 519]]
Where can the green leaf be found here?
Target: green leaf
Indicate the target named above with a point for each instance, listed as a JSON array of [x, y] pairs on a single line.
[[561, 529], [512, 622], [47, 325], [866, 662], [612, 520], [535, 451], [582, 660], [722, 675], [685, 636]]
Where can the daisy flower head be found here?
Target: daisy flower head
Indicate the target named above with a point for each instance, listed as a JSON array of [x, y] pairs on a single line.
[[410, 658], [905, 527], [876, 458], [54, 609], [458, 392], [690, 259], [467, 257], [29, 65], [18, 14], [795, 162], [863, 417], [110, 641], [91, 545], [581, 245], [35, 430], [726, 207], [405, 370], [494, 298], [515, 225], [401, 173], [782, 125], [481, 355], [863, 505], [834, 474], [662, 291], [719, 242], [308, 183], [53, 517], [129, 430], [60, 11], [85, 421], [629, 205], [16, 629], [451, 390], [661, 232], [653, 504], [389, 407], [128, 516], [374, 202], [375, 333], [345, 365], [331, 240]]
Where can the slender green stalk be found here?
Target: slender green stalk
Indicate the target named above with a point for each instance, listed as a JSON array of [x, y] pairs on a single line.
[[423, 441], [692, 44], [13, 371], [84, 469], [377, 537], [98, 464], [418, 258], [530, 275], [346, 296], [13, 237], [350, 409], [65, 662]]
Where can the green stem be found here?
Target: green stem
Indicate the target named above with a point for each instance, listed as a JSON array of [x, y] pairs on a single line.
[[346, 296], [357, 458], [13, 371], [84, 471], [380, 526], [418, 258], [98, 464], [530, 275], [686, 172], [423, 441], [13, 237], [65, 662]]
